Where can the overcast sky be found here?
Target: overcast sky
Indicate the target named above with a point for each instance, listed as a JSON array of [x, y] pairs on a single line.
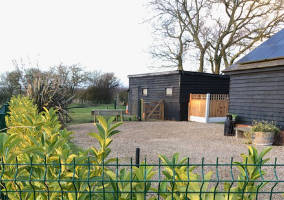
[[100, 35]]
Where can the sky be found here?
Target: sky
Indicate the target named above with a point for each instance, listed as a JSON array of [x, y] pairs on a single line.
[[107, 36]]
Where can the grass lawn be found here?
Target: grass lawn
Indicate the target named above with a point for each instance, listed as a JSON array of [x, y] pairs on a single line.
[[81, 113]]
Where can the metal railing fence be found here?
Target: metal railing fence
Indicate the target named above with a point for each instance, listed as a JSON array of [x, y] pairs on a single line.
[[91, 180]]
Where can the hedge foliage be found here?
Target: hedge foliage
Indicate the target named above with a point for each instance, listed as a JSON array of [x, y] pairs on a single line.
[[38, 138]]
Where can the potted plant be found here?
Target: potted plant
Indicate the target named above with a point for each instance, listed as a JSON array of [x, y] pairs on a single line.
[[234, 118], [263, 132]]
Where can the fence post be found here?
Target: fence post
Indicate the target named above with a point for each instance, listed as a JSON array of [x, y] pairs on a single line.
[[189, 107], [207, 111], [114, 103], [139, 110], [142, 110], [137, 157]]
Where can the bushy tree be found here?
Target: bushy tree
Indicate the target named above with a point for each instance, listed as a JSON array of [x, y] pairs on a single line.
[[102, 88], [50, 89], [123, 95]]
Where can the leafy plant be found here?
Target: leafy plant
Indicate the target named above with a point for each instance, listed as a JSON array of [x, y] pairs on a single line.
[[137, 180], [37, 139], [176, 171], [265, 126], [234, 117], [250, 170], [248, 136], [48, 91], [106, 129], [34, 137], [39, 134]]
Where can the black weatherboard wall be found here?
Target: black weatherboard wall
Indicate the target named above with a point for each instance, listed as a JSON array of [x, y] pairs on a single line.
[[257, 83], [156, 85], [182, 83], [258, 95]]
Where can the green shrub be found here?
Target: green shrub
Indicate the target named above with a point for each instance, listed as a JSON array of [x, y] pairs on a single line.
[[264, 126], [36, 132], [36, 139]]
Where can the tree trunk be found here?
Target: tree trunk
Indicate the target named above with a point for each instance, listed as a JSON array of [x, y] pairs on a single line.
[[180, 53], [201, 61], [217, 66], [180, 65]]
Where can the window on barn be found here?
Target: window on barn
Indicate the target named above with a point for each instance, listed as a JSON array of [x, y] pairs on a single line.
[[169, 91], [144, 91]]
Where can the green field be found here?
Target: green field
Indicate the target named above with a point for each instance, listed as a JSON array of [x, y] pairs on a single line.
[[81, 113]]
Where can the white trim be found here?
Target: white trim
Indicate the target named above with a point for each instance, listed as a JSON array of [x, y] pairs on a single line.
[[216, 119], [207, 109], [204, 120], [197, 119]]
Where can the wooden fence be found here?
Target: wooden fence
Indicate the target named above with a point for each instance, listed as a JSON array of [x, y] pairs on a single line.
[[205, 106], [219, 105], [197, 105]]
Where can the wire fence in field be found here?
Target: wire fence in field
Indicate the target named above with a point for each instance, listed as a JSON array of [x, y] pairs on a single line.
[[164, 180]]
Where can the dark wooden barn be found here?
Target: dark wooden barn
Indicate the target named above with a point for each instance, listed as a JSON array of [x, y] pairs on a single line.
[[257, 83], [174, 88]]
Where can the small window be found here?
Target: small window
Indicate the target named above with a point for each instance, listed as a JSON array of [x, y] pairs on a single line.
[[144, 91], [169, 91]]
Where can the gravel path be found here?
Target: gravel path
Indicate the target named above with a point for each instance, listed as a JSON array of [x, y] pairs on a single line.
[[190, 139]]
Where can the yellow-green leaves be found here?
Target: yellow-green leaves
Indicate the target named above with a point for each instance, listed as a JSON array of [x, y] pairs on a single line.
[[106, 129], [45, 157], [181, 178]]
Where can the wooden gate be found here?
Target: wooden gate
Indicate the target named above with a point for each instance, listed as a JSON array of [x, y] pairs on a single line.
[[153, 110]]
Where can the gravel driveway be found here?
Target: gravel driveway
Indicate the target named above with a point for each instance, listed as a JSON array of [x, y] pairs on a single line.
[[190, 139]]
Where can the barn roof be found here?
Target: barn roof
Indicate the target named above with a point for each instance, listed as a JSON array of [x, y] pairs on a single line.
[[269, 53], [175, 72]]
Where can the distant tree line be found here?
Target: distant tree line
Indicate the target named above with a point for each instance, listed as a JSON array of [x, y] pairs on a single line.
[[61, 85]]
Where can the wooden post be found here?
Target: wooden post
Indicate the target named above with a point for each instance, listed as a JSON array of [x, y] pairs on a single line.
[[142, 110], [207, 109], [162, 110], [189, 106]]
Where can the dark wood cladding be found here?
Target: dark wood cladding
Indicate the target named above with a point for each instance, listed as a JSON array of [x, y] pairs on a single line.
[[200, 83], [183, 83], [258, 96], [156, 89]]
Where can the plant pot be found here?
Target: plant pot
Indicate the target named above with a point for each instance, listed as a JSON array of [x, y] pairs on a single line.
[[263, 138], [279, 138], [228, 126]]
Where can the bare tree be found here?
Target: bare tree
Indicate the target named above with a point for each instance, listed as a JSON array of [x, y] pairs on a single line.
[[244, 24], [73, 76], [174, 43], [223, 30]]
